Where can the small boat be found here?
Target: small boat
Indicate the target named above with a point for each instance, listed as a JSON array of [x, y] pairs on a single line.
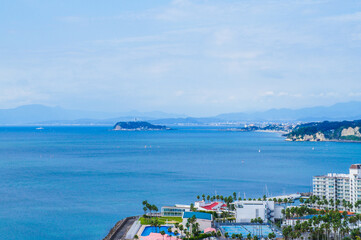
[[39, 128], [259, 150]]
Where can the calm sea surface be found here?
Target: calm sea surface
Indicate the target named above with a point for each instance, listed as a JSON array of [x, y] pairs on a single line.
[[77, 182]]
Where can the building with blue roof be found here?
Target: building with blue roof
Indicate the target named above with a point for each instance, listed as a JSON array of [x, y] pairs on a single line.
[[204, 219]]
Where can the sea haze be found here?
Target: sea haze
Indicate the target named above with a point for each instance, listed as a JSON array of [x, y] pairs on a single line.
[[77, 182]]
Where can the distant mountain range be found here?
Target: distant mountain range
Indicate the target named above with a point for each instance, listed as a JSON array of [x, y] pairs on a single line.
[[337, 112], [40, 114]]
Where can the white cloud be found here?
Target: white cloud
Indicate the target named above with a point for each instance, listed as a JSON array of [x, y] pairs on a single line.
[[351, 17], [224, 36]]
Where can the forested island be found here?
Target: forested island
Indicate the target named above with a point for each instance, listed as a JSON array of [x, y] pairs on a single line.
[[138, 126], [326, 131]]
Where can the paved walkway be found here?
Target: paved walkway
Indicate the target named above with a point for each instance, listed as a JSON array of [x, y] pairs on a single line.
[[120, 234]]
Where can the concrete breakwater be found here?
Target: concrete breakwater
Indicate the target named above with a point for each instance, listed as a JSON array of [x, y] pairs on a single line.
[[119, 231]]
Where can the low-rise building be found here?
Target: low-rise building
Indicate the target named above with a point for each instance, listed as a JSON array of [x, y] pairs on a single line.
[[212, 206], [248, 210], [174, 211]]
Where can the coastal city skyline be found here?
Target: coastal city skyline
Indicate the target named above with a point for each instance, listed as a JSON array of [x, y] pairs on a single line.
[[182, 56]]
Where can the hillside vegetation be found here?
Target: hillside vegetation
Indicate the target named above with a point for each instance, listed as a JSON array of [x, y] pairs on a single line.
[[327, 131]]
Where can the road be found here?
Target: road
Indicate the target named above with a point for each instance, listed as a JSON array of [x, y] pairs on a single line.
[[122, 231]]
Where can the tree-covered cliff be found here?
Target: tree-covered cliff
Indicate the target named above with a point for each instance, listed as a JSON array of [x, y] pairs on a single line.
[[139, 126], [327, 131]]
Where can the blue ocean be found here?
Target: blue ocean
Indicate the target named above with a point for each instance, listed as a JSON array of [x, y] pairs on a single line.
[[77, 182]]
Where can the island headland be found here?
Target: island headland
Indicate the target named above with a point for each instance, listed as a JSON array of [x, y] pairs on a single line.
[[345, 131], [138, 126]]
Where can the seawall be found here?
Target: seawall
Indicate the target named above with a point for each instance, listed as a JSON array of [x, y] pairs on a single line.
[[121, 228]]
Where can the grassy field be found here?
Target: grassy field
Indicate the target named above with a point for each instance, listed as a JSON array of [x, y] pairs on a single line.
[[162, 220]]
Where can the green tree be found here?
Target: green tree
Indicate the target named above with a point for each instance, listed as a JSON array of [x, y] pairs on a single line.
[[163, 233], [271, 235], [181, 228]]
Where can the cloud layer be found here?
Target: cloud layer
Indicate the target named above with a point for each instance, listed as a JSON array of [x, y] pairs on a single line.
[[193, 57]]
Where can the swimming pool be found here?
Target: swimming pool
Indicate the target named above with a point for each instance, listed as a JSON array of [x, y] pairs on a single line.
[[148, 230], [248, 228]]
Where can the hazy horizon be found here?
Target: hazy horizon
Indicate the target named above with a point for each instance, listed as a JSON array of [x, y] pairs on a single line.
[[351, 106], [198, 58]]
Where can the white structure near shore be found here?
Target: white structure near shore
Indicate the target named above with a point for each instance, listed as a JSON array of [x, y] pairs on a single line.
[[174, 211], [248, 210], [339, 186]]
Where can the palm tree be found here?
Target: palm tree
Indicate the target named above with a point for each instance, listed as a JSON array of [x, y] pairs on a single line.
[[198, 197], [260, 221], [337, 203], [271, 235], [181, 228], [155, 223], [145, 210], [154, 208], [188, 225], [226, 235], [163, 233]]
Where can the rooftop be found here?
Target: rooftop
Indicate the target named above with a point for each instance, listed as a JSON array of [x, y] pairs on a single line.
[[355, 166], [198, 215]]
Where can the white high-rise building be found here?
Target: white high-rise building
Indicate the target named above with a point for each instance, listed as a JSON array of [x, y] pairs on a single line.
[[339, 186]]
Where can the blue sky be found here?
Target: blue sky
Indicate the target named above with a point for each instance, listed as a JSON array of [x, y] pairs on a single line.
[[183, 56]]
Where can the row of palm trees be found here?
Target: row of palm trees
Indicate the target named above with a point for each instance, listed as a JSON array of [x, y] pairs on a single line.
[[248, 237], [218, 197], [233, 198], [191, 228], [331, 203], [149, 207], [326, 225]]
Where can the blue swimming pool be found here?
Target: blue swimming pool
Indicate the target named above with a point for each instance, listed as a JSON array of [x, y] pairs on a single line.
[[148, 230], [248, 228]]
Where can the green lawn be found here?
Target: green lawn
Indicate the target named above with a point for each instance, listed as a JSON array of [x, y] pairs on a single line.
[[162, 220]]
